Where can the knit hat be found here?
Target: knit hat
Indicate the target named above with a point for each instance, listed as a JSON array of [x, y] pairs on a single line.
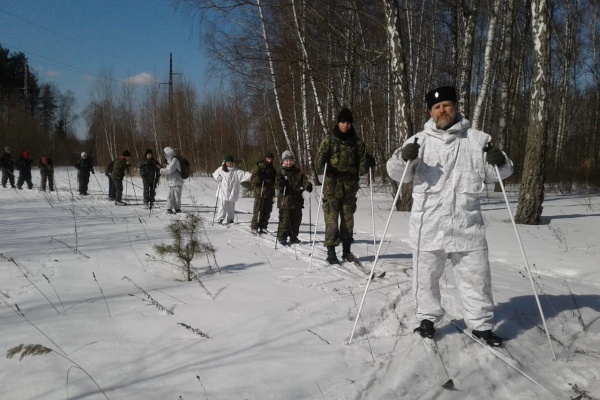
[[287, 155], [443, 93], [228, 158], [345, 115], [126, 153], [148, 151], [7, 149], [26, 154], [83, 154], [269, 155]]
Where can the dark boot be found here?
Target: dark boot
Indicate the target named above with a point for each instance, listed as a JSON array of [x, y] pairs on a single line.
[[426, 329], [489, 337], [331, 257], [346, 253]]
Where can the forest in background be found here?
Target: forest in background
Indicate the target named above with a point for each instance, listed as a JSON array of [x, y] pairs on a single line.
[[290, 66]]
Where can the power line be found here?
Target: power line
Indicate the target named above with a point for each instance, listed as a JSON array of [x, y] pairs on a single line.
[[68, 66]]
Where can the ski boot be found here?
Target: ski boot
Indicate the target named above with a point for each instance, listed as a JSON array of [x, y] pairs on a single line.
[[490, 338], [426, 329], [331, 257], [347, 254]]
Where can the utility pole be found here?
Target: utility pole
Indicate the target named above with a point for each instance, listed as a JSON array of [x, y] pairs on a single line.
[[171, 92], [170, 83], [25, 67]]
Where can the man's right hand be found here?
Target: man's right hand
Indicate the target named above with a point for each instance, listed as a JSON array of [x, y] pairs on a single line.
[[325, 157]]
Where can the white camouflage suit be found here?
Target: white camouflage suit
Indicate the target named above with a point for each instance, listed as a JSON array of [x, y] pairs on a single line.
[[446, 221], [228, 190], [173, 178]]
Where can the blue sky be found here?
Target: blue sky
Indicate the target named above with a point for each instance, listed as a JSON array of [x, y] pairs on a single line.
[[70, 42]]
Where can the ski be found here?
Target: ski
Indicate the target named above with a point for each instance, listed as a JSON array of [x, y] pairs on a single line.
[[514, 364], [436, 362], [359, 265]]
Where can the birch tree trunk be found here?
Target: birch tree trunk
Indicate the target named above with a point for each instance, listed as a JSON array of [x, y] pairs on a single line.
[[487, 73], [466, 54], [531, 194], [305, 64], [272, 73], [569, 52], [505, 71], [402, 120]]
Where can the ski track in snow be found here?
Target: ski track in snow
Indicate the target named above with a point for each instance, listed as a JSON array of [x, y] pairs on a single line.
[[277, 330]]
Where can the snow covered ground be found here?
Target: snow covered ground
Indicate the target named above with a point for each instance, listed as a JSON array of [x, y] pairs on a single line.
[[79, 276]]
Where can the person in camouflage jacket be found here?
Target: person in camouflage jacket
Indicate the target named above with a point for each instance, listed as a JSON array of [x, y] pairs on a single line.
[[346, 157], [84, 168], [46, 166], [263, 184], [120, 168], [291, 183], [8, 167], [149, 172]]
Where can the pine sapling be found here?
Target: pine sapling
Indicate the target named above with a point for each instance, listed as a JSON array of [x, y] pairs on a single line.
[[186, 245]]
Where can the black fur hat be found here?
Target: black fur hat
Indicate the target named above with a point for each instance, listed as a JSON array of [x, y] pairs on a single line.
[[443, 93]]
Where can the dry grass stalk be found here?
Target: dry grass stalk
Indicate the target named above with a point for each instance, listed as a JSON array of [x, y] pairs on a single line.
[[38, 350], [150, 298]]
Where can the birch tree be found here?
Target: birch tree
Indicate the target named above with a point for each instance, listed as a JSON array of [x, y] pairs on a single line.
[[531, 194], [470, 12], [488, 68]]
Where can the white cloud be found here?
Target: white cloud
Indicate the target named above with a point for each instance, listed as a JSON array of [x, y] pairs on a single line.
[[144, 78], [52, 74]]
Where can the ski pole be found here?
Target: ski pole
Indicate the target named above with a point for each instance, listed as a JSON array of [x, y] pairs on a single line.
[[134, 194], [372, 210], [537, 299], [310, 217], [387, 224], [104, 194], [152, 195], [216, 201], [312, 251]]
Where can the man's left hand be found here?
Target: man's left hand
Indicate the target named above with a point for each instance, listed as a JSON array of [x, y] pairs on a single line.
[[495, 157]]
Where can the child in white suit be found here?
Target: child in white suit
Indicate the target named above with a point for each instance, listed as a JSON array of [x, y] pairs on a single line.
[[228, 191]]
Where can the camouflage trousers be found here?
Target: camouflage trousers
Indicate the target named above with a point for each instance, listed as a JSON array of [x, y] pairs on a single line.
[[261, 213], [339, 219], [339, 205], [289, 223]]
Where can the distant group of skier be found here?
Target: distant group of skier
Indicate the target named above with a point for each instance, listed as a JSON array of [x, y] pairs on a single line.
[[447, 162]]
